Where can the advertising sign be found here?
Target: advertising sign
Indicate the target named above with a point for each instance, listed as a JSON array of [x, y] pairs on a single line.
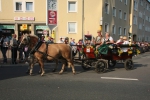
[[52, 12]]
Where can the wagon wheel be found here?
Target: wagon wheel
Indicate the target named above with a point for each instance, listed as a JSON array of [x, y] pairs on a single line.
[[86, 65], [111, 63], [128, 64], [100, 66]]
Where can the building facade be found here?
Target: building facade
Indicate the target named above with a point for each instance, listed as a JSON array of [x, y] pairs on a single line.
[[23, 16], [109, 15]]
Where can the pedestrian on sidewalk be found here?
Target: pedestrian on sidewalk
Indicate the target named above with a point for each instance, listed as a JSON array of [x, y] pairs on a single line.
[[14, 48]]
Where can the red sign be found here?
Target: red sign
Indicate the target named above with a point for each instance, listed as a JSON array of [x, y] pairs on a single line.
[[52, 17]]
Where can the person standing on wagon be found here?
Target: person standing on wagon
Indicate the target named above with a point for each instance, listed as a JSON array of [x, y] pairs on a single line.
[[98, 39], [14, 47]]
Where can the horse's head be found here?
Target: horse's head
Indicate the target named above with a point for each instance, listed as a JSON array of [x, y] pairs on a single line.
[[24, 40]]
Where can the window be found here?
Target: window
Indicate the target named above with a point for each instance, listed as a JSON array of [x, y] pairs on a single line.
[[114, 11], [18, 6], [121, 0], [140, 26], [114, 29], [72, 27], [120, 14], [147, 7], [125, 16], [143, 22], [72, 6], [141, 2], [126, 2], [106, 27], [140, 14], [29, 6], [120, 31], [125, 31], [106, 8], [135, 5], [134, 20]]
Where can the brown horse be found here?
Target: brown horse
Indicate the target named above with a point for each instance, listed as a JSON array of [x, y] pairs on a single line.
[[55, 52]]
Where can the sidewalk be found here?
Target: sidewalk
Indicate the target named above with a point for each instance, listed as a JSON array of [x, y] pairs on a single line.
[[9, 62]]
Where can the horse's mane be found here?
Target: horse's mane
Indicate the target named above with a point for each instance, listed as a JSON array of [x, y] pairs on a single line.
[[34, 36]]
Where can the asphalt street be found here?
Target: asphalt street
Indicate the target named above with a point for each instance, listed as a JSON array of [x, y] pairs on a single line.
[[115, 84]]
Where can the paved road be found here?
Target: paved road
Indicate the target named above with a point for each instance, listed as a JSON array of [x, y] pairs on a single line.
[[15, 84]]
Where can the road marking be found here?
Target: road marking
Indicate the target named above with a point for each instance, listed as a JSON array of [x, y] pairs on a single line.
[[115, 78]]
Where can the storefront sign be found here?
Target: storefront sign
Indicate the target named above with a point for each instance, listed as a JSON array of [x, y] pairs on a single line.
[[24, 26], [7, 27], [24, 18], [41, 27], [52, 12]]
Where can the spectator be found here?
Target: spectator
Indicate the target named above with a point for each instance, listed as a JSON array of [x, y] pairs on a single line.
[[14, 47], [120, 41], [26, 53], [4, 47], [50, 40], [60, 41]]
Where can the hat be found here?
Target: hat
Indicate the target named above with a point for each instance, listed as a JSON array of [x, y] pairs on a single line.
[[98, 31], [121, 37], [124, 37]]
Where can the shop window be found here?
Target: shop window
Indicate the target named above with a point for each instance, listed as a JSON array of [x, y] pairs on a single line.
[[29, 6], [72, 27], [18, 6], [72, 6]]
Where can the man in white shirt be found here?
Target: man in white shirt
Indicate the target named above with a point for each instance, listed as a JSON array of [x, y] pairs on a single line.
[[60, 41], [125, 41]]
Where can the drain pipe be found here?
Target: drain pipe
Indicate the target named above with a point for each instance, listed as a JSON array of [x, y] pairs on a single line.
[[83, 20]]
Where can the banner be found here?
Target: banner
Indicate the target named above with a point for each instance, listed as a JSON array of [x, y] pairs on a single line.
[[52, 12], [52, 17]]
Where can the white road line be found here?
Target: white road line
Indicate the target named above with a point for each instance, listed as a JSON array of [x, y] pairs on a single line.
[[115, 78]]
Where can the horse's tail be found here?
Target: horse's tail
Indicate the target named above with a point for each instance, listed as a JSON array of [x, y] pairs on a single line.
[[71, 51]]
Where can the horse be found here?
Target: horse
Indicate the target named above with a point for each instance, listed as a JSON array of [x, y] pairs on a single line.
[[42, 50]]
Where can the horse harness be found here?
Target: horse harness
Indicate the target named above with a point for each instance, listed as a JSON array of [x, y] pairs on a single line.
[[37, 46]]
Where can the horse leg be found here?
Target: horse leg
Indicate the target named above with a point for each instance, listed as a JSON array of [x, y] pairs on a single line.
[[70, 63], [31, 68], [41, 63], [56, 66], [62, 69]]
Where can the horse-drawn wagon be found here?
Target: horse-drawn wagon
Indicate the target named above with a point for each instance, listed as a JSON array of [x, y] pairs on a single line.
[[102, 59]]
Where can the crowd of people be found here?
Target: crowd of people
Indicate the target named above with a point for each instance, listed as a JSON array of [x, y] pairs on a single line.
[[6, 43]]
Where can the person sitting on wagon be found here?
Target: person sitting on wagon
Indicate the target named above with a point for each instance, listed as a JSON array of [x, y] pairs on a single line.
[[120, 41], [98, 39], [108, 39], [125, 41]]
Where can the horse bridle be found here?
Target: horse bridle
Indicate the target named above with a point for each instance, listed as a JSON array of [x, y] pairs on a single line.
[[27, 39]]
